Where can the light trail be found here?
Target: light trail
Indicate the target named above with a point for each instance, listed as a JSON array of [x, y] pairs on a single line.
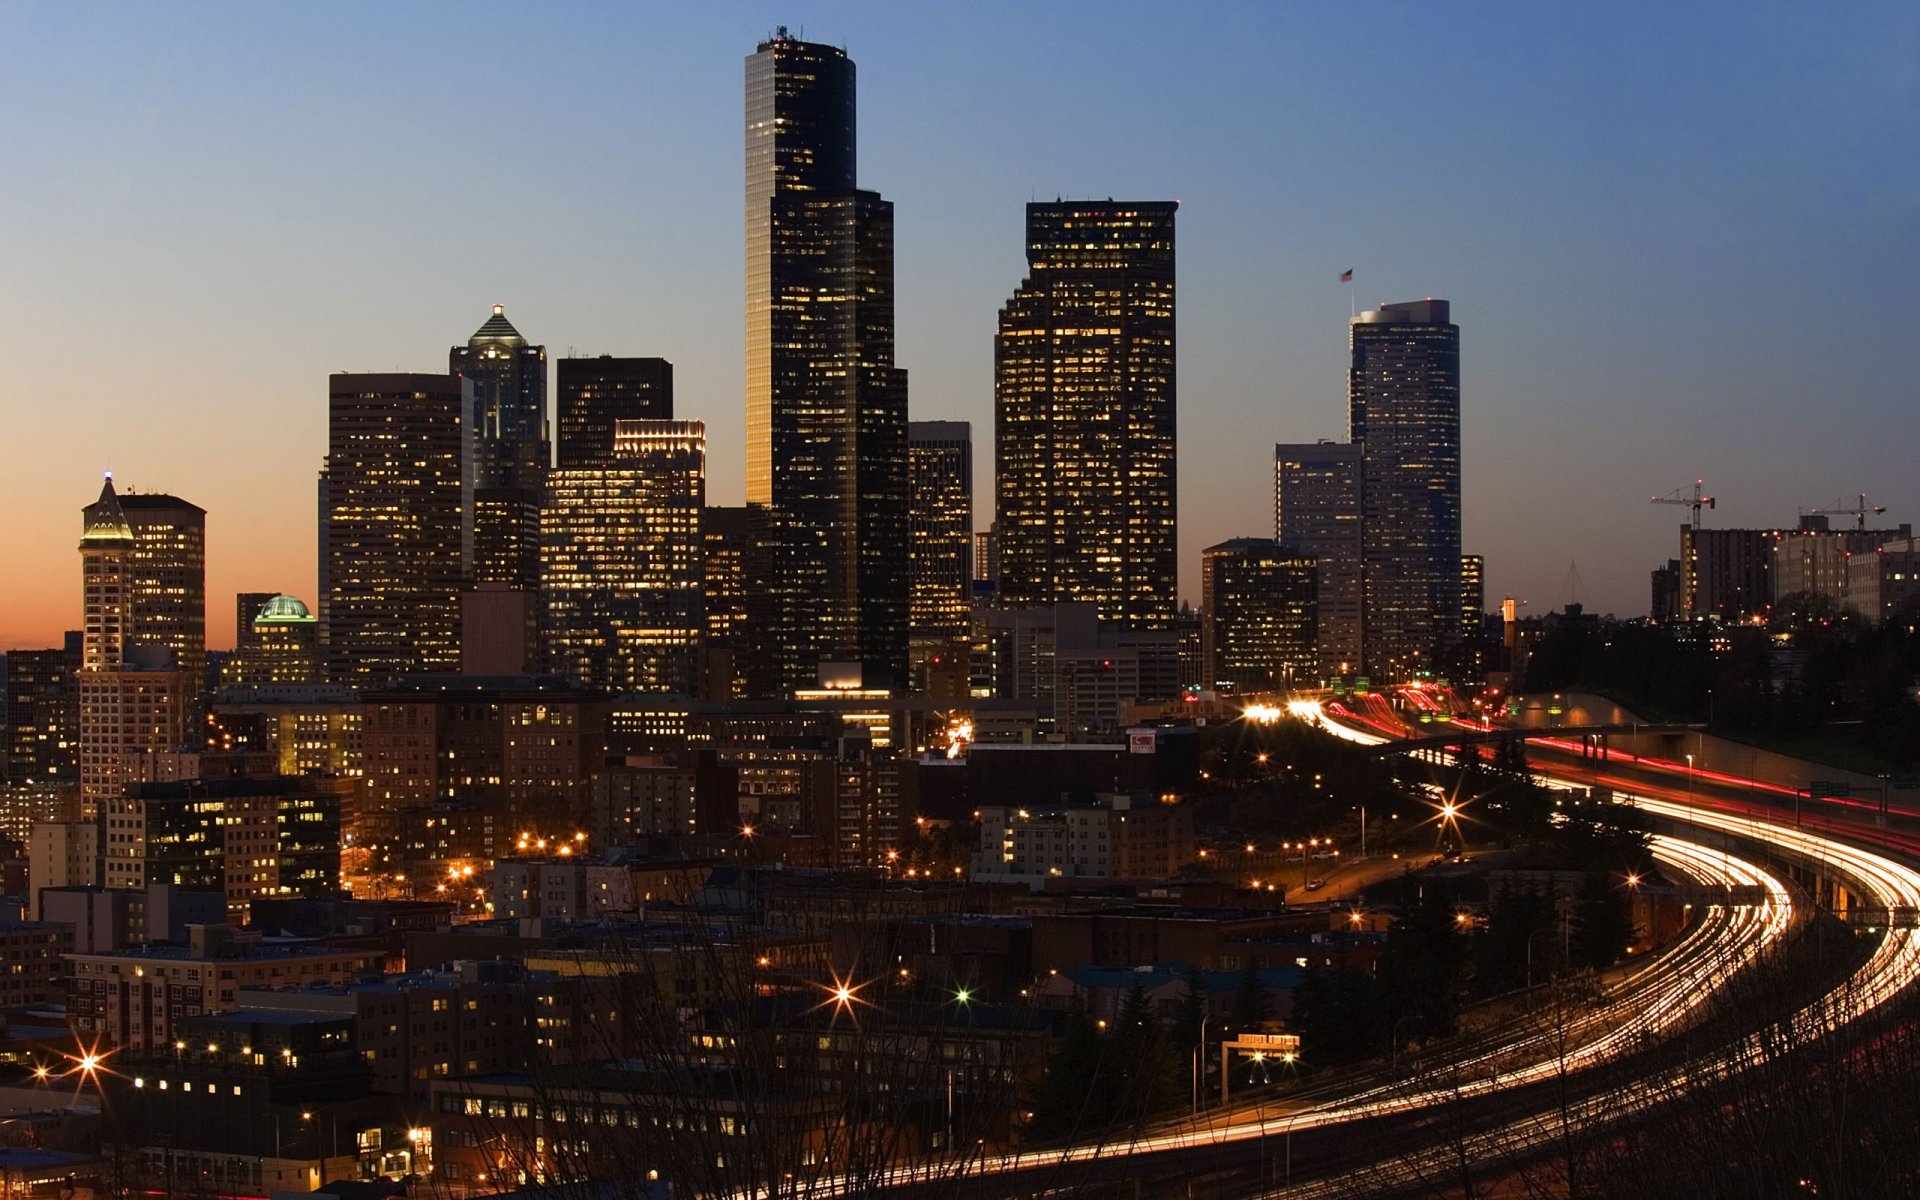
[[1655, 998], [1893, 966]]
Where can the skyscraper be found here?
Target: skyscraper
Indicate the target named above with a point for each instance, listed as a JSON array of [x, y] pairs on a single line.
[[1404, 413], [596, 392], [1473, 595], [826, 407], [134, 698], [1084, 414], [398, 535], [507, 414], [620, 556], [167, 577], [1257, 615], [43, 715], [734, 660], [1316, 511], [940, 516]]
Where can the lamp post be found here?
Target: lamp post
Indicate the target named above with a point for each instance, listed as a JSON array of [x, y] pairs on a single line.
[[1199, 1048]]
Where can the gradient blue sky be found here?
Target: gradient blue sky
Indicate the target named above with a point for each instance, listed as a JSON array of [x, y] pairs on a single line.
[[1680, 240]]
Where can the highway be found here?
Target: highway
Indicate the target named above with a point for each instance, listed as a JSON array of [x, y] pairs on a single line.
[[1504, 1072], [1656, 997]]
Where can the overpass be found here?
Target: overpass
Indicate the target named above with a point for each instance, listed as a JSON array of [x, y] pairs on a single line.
[[1463, 736]]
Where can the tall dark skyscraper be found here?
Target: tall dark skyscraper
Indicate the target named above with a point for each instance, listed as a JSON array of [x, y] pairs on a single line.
[[1316, 511], [508, 417], [1257, 602], [596, 392], [1084, 414], [826, 407], [940, 456], [167, 577], [397, 536], [1404, 413]]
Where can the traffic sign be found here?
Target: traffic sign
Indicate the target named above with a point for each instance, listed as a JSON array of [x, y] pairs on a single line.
[[1821, 789]]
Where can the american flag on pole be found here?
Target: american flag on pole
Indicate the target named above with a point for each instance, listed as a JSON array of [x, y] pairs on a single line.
[[1346, 276]]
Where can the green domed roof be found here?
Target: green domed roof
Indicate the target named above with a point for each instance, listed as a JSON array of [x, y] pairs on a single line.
[[284, 610]]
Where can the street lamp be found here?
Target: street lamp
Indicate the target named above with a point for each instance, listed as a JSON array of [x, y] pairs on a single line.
[[1199, 1049]]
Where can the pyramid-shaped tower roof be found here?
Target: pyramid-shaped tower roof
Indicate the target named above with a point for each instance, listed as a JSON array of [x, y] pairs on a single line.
[[497, 329], [102, 521]]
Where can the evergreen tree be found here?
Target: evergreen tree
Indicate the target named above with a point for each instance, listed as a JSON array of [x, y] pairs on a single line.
[[1192, 1014], [1069, 1099], [1252, 1004], [1602, 923]]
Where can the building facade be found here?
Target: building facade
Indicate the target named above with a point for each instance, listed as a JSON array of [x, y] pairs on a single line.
[[826, 407], [1258, 628], [134, 699], [940, 456], [593, 393], [620, 558], [1316, 512], [397, 532], [1084, 393], [1404, 414]]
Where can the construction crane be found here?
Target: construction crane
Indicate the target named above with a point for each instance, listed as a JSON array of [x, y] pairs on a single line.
[[1695, 501], [1859, 512]]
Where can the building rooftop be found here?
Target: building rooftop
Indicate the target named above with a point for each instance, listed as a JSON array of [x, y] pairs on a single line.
[[497, 329]]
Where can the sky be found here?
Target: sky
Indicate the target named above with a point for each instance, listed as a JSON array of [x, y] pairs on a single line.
[[1680, 241]]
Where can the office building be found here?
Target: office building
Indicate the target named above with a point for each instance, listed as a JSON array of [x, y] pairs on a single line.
[[130, 1000], [507, 416], [1884, 584], [593, 393], [1084, 414], [940, 460], [1404, 414], [397, 524], [1257, 616], [826, 407], [43, 716], [1816, 560], [457, 770], [167, 578], [246, 838], [1473, 595], [734, 659], [1112, 838], [134, 698], [279, 642], [1316, 512], [621, 562]]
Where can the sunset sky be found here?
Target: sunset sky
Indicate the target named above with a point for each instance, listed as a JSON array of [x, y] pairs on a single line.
[[1679, 240]]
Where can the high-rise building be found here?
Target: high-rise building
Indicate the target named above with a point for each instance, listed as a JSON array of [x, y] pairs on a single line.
[[1404, 413], [397, 524], [168, 576], [826, 407], [43, 715], [1084, 414], [734, 545], [134, 698], [1473, 595], [620, 562], [1257, 615], [596, 392], [507, 414], [940, 458], [1316, 512], [279, 643]]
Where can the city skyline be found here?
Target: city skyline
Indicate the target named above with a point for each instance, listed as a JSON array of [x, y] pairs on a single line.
[[1651, 281]]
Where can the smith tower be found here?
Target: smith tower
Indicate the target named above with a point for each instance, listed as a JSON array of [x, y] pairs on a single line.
[[826, 407], [1403, 396], [1084, 414]]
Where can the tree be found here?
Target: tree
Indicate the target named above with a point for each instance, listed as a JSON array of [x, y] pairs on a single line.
[[1068, 1099], [1252, 1004], [1602, 923]]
